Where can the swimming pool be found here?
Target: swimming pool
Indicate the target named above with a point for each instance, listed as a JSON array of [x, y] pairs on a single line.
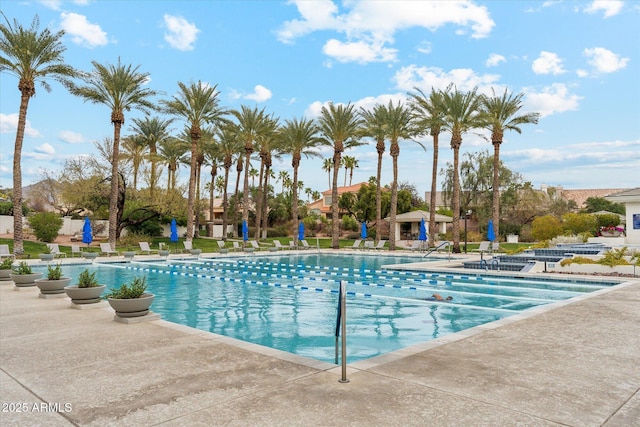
[[289, 302]]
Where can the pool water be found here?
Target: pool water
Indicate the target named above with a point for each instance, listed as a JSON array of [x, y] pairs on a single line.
[[289, 302]]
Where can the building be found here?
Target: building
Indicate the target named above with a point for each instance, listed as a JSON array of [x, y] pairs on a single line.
[[631, 200], [408, 224], [323, 206]]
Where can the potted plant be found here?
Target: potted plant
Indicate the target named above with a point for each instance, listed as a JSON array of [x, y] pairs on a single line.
[[163, 251], [23, 276], [5, 269], [129, 253], [46, 254], [89, 253], [54, 283], [87, 291], [131, 300]]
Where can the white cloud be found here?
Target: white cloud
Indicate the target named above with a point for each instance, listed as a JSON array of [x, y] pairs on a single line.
[[360, 51], [494, 59], [260, 94], [424, 47], [9, 124], [605, 61], [82, 31], [51, 4], [45, 148], [553, 99], [608, 7], [425, 78], [180, 34], [71, 137], [369, 26], [547, 63]]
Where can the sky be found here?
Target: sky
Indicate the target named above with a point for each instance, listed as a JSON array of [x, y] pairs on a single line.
[[577, 63]]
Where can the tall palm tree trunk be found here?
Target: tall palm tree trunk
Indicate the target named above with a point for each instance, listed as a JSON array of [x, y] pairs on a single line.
[[211, 188], [236, 211], [295, 162], [433, 200], [225, 206], [496, 187], [154, 165], [394, 150], [117, 118], [380, 148], [335, 217], [245, 197], [192, 184], [259, 201], [265, 199], [456, 198], [27, 92]]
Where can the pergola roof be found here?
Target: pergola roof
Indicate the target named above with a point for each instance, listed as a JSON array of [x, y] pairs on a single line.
[[416, 216]]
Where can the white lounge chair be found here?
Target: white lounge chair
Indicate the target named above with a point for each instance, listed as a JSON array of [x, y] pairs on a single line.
[[380, 244], [416, 245], [54, 249], [278, 246], [222, 247], [236, 246], [304, 244], [368, 244], [105, 248], [356, 244], [76, 249], [5, 253], [188, 245], [495, 247], [484, 247], [144, 247]]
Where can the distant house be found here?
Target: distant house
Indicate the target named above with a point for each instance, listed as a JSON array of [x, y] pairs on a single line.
[[323, 206], [631, 200]]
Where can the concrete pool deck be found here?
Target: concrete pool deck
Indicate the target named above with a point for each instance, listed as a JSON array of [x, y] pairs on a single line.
[[575, 364]]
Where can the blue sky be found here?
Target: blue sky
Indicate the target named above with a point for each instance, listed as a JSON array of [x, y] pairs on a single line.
[[577, 62]]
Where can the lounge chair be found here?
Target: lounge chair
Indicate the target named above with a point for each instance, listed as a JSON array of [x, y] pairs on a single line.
[[236, 246], [356, 244], [222, 247], [76, 249], [5, 253], [188, 245], [105, 248], [484, 247], [416, 245], [368, 244], [278, 246], [292, 244], [495, 247], [144, 247], [54, 249], [304, 244], [380, 245]]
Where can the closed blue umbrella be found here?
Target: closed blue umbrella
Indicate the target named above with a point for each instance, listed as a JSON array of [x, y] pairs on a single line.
[[491, 235], [423, 231], [174, 231], [245, 231], [301, 231], [363, 232], [87, 233]]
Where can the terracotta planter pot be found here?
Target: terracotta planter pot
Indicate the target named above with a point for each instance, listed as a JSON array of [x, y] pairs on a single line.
[[48, 286], [134, 307], [84, 295], [24, 280]]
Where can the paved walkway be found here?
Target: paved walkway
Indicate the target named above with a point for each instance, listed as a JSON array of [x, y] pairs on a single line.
[[570, 365]]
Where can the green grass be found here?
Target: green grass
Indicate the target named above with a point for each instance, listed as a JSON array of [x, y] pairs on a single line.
[[32, 249]]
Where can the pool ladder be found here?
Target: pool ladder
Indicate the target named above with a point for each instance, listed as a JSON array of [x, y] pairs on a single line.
[[494, 261], [341, 324], [441, 245]]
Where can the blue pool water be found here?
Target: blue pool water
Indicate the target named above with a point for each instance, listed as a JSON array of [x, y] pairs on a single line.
[[289, 302]]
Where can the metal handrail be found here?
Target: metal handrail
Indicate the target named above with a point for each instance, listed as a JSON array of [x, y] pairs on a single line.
[[484, 262], [495, 261], [445, 243], [341, 323]]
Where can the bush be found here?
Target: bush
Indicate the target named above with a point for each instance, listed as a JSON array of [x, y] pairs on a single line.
[[574, 223], [136, 289], [87, 280], [54, 273], [350, 224], [45, 226], [546, 227]]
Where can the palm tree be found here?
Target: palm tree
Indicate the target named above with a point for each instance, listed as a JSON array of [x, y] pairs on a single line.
[[339, 128], [198, 104], [172, 152], [327, 166], [133, 151], [265, 142], [230, 147], [32, 56], [375, 126], [399, 126], [208, 152], [121, 88], [350, 163], [462, 113], [299, 139], [251, 124], [500, 114], [282, 177], [152, 131], [429, 114]]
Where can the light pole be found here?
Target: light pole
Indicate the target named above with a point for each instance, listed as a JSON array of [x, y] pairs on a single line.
[[466, 215]]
